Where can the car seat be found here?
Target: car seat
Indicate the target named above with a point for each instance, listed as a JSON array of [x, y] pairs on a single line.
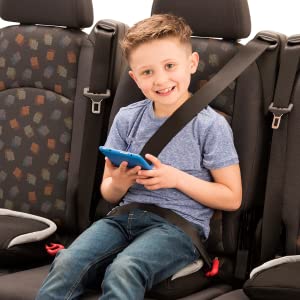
[[217, 26], [280, 223], [43, 140], [245, 106]]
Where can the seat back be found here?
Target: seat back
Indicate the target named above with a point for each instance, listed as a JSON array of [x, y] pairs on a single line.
[[280, 240], [45, 63], [291, 203], [281, 213]]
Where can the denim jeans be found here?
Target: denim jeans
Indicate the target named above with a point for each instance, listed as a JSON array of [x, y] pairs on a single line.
[[135, 251]]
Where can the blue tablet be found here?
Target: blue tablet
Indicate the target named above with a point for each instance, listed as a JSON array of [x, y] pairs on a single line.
[[117, 156]]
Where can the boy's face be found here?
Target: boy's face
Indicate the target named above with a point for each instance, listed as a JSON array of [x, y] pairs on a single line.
[[162, 70]]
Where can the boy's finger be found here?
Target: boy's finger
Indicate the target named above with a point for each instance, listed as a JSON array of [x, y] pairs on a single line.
[[109, 163], [155, 161], [135, 170], [142, 177], [123, 165], [147, 181]]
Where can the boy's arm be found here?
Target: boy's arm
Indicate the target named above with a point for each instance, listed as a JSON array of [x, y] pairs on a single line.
[[224, 193], [117, 180]]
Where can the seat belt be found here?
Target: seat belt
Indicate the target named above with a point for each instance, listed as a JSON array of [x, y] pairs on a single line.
[[268, 68], [173, 218], [105, 34], [281, 107], [101, 67], [188, 110]]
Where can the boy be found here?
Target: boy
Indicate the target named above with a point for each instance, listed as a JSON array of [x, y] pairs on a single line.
[[195, 173]]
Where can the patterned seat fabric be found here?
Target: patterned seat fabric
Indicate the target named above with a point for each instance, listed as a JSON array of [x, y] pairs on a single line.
[[40, 95], [38, 71], [40, 57]]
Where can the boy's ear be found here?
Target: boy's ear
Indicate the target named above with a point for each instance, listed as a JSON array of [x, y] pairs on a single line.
[[194, 62], [131, 74]]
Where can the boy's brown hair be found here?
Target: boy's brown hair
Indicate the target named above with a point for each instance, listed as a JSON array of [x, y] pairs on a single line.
[[156, 27]]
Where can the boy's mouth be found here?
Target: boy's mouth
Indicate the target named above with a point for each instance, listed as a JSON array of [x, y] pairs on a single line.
[[166, 91]]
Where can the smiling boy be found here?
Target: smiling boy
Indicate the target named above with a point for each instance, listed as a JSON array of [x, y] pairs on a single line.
[[164, 77], [195, 173]]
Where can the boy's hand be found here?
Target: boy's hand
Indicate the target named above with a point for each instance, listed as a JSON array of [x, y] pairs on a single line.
[[122, 177], [161, 176]]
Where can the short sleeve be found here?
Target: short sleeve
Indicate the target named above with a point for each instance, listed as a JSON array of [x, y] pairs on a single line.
[[219, 150], [116, 138]]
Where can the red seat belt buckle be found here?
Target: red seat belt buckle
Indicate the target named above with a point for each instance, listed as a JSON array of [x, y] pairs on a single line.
[[214, 269], [53, 248]]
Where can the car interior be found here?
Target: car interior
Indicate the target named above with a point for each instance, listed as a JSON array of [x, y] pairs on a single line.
[[60, 89]]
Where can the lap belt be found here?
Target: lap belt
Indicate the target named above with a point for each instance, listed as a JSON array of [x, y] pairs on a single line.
[[172, 218]]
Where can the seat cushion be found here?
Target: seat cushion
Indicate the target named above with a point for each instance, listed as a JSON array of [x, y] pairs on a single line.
[[234, 295], [24, 285]]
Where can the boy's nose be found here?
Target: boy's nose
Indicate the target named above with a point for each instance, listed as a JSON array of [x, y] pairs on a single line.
[[161, 77]]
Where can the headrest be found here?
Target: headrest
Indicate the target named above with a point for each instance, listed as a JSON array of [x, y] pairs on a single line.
[[69, 13], [228, 19]]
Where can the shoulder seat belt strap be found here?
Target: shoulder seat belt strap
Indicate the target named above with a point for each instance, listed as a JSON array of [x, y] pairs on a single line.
[[104, 38], [245, 56], [101, 68]]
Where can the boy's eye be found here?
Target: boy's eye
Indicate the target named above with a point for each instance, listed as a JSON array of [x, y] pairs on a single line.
[[147, 72], [169, 66]]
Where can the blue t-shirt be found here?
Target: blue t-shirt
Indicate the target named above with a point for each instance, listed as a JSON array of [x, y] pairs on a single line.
[[204, 144]]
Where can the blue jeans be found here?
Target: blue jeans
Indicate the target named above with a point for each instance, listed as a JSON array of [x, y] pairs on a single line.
[[134, 251]]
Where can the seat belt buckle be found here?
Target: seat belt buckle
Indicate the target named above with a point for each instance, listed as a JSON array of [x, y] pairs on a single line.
[[96, 99], [53, 248], [214, 269], [278, 112]]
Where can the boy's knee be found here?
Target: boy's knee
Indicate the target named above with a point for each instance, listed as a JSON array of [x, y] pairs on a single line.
[[123, 264], [125, 267], [64, 260]]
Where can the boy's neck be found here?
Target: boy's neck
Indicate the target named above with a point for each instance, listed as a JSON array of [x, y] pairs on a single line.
[[163, 112]]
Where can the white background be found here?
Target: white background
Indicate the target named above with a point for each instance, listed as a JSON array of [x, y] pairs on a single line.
[[276, 15]]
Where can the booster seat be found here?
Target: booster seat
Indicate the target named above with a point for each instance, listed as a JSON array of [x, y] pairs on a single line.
[[244, 105]]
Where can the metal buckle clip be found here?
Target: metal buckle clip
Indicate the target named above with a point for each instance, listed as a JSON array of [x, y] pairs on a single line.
[[96, 99], [278, 112]]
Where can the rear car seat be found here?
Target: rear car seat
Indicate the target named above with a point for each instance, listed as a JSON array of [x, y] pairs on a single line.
[[281, 220], [243, 104], [44, 70], [217, 27]]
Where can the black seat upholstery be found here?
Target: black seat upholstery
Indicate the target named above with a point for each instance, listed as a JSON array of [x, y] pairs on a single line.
[[281, 209], [291, 203], [282, 212]]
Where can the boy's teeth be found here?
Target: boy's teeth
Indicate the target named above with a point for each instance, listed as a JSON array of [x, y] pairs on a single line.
[[165, 90]]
